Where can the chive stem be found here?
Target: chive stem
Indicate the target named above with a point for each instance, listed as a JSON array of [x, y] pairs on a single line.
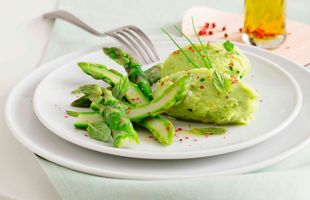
[[188, 59], [193, 45], [204, 49]]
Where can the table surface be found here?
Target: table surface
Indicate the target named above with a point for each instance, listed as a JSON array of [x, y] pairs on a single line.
[[23, 41], [21, 176]]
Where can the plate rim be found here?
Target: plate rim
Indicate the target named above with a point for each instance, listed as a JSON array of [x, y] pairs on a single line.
[[86, 169], [171, 155]]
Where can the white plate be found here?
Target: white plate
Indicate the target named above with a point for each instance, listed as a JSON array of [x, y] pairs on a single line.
[[29, 131], [279, 91]]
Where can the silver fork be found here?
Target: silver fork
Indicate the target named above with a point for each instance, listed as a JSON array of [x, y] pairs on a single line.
[[135, 41]]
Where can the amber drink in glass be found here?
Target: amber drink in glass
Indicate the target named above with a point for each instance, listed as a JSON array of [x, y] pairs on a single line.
[[264, 23]]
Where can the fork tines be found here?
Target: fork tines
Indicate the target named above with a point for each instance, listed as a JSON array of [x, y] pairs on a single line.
[[136, 43]]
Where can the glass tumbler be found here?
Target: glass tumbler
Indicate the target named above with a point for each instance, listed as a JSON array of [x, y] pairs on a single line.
[[264, 23]]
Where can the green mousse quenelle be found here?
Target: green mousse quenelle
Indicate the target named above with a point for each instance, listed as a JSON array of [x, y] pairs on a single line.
[[232, 62], [205, 103], [216, 95]]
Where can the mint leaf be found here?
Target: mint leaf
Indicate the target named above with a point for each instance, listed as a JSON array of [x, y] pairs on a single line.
[[113, 117], [229, 46], [220, 82], [99, 131], [209, 131], [91, 89], [120, 88]]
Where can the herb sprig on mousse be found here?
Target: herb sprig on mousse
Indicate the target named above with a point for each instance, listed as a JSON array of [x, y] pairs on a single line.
[[221, 83]]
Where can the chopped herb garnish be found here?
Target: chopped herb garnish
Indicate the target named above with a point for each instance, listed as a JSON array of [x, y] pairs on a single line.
[[190, 110], [209, 131], [202, 80], [228, 45], [231, 68]]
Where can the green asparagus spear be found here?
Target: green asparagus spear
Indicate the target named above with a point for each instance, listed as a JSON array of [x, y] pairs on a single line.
[[132, 67], [156, 125], [89, 89], [82, 102], [93, 123], [133, 95], [95, 90], [84, 118], [119, 56], [153, 73], [113, 111], [172, 96], [162, 129], [98, 71], [94, 106]]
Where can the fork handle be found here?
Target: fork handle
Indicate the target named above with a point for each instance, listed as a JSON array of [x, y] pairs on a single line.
[[66, 16]]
